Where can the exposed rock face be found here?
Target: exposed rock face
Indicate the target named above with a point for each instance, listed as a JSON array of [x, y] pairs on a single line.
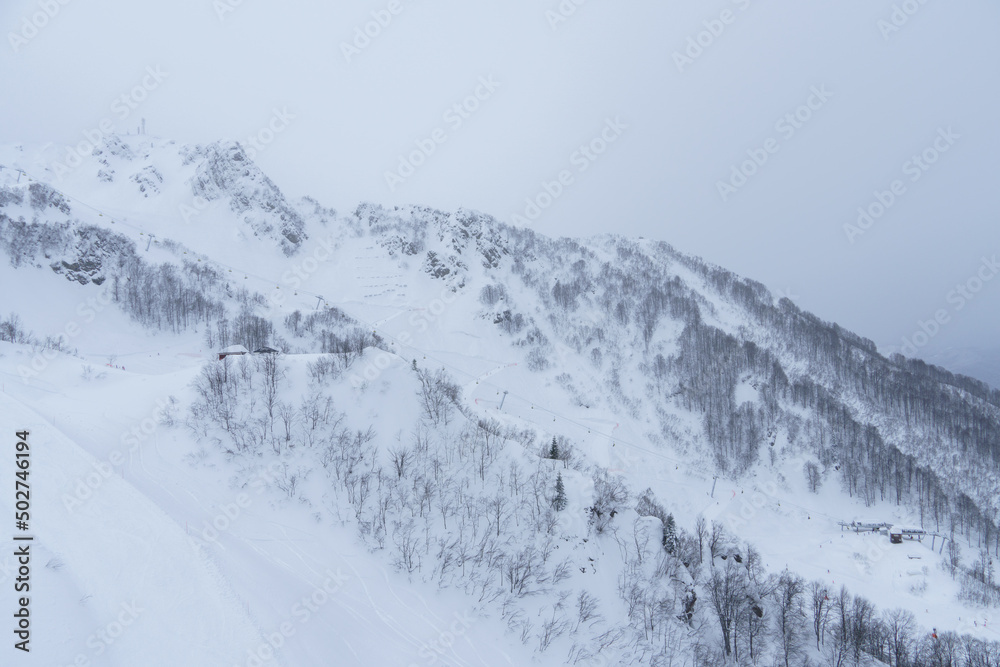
[[224, 171]]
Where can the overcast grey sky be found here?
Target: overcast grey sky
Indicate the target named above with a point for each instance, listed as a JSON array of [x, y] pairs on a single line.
[[872, 82]]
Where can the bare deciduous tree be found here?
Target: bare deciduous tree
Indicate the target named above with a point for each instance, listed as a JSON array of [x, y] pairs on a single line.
[[790, 618], [701, 531], [437, 395], [813, 477], [727, 593], [820, 607], [901, 626], [400, 457], [716, 540]]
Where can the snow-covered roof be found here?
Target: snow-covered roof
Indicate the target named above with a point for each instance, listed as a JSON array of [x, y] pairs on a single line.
[[235, 349]]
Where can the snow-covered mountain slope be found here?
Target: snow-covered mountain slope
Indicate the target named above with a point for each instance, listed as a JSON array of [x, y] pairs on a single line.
[[395, 460]]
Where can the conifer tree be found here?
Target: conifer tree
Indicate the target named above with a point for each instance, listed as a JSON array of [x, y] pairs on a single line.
[[559, 502], [670, 541]]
